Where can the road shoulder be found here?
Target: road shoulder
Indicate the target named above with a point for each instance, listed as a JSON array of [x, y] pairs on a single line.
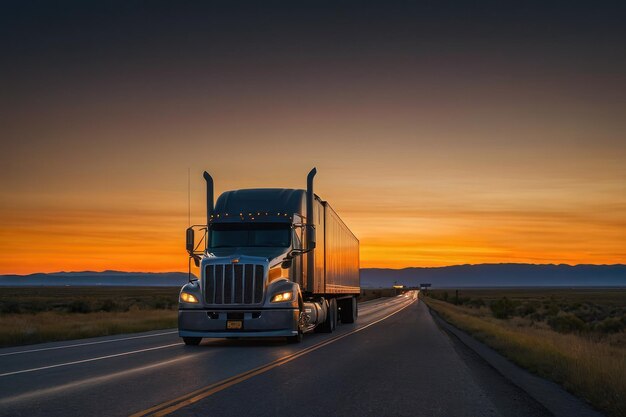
[[548, 394]]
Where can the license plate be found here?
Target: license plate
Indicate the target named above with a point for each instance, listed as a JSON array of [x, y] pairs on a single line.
[[234, 324]]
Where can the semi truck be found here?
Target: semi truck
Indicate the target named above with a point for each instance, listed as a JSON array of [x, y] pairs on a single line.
[[274, 262]]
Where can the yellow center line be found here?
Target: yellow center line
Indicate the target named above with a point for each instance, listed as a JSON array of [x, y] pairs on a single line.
[[170, 406]]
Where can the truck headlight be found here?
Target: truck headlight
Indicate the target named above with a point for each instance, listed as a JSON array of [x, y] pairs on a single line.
[[188, 298], [282, 296]]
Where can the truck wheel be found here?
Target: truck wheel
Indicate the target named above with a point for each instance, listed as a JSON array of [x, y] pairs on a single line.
[[327, 326], [333, 314], [349, 310], [192, 341]]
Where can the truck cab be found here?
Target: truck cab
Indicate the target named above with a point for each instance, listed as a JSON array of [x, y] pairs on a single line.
[[261, 268]]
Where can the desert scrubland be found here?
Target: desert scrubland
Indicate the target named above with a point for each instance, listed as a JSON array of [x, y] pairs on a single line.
[[575, 337]]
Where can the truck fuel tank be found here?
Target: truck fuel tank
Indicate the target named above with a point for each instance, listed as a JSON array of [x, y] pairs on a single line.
[[314, 313]]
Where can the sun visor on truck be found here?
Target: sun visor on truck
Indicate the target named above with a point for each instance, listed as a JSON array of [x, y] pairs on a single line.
[[259, 204]]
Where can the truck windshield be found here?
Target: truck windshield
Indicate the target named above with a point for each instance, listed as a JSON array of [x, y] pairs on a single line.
[[229, 235]]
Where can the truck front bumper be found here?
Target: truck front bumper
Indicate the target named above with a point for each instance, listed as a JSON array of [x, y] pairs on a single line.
[[255, 323]]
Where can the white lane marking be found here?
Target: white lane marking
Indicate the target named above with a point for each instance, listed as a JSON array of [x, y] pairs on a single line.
[[89, 360], [86, 343], [379, 300], [369, 301], [381, 305], [88, 382]]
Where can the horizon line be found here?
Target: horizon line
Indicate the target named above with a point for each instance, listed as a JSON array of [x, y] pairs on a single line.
[[392, 269]]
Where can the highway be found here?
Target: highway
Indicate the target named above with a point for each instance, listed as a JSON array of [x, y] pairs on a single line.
[[395, 361]]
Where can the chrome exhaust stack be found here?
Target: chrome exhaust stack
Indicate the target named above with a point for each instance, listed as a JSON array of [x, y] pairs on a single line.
[[209, 204], [310, 231]]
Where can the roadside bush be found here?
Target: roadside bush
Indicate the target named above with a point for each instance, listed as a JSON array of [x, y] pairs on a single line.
[[461, 300], [551, 307], [525, 309], [439, 295], [108, 305], [503, 308], [476, 302], [566, 323], [79, 306], [610, 325], [9, 307]]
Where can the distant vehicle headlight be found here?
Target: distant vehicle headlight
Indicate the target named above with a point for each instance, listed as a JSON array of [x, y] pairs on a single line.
[[282, 296], [188, 298]]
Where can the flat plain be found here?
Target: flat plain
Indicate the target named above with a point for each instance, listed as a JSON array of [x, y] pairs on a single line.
[[43, 314]]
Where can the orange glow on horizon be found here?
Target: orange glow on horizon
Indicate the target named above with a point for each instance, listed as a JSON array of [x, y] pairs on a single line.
[[144, 239]]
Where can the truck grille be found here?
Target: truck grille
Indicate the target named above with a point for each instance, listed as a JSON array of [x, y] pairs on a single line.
[[234, 284]]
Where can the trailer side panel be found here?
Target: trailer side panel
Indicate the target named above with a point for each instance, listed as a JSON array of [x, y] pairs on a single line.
[[341, 255]]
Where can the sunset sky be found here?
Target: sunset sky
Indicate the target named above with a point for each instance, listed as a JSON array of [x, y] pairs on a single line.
[[442, 133]]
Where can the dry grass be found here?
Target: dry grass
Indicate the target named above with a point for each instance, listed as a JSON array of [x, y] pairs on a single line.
[[86, 299], [593, 369], [40, 314], [20, 329]]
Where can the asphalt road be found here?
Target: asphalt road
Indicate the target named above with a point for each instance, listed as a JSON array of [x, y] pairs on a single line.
[[394, 361]]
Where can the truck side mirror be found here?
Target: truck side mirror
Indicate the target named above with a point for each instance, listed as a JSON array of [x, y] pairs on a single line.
[[190, 240], [310, 237]]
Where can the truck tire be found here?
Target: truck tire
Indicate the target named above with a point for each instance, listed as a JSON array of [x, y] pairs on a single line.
[[349, 310], [192, 341], [334, 313], [331, 317]]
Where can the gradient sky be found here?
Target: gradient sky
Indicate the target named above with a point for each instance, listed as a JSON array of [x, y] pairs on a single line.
[[443, 133]]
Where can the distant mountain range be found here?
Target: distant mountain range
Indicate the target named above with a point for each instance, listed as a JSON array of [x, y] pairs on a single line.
[[459, 276], [499, 275], [91, 278]]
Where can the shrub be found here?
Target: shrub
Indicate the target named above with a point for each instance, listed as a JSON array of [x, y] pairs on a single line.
[[610, 325], [552, 309], [108, 305], [503, 308], [79, 306], [9, 307], [566, 323], [462, 300], [525, 309], [475, 302]]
